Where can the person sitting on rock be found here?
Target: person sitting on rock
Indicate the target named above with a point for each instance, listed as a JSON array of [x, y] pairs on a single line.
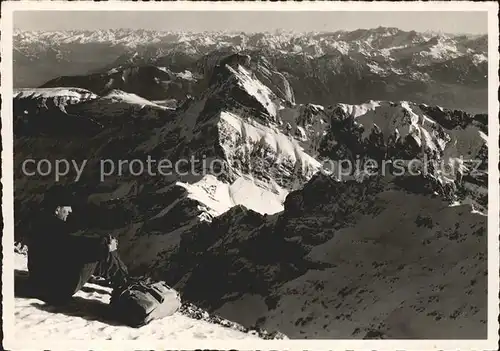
[[60, 261]]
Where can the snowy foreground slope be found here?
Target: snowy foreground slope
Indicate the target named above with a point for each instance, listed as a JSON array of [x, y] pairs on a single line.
[[87, 318]]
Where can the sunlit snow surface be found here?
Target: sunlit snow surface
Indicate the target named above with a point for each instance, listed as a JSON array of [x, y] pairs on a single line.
[[86, 318]]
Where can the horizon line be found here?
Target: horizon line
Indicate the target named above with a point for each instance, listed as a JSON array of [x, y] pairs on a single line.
[[236, 31]]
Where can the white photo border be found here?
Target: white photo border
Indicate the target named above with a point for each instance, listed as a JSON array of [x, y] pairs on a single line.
[[9, 342]]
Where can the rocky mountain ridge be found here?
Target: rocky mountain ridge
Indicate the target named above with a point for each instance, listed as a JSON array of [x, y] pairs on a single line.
[[381, 38], [321, 68]]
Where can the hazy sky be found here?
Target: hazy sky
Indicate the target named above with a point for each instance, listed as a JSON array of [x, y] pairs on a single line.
[[448, 22]]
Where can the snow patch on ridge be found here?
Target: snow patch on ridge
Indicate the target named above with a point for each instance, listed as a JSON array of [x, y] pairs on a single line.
[[255, 88], [359, 110], [219, 197], [187, 75], [64, 95], [376, 68], [117, 103], [479, 58], [129, 98], [255, 133], [442, 49]]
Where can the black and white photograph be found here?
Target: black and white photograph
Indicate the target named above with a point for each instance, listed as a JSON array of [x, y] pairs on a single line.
[[228, 174]]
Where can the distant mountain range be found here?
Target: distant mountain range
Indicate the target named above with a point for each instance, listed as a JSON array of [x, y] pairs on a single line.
[[322, 68]]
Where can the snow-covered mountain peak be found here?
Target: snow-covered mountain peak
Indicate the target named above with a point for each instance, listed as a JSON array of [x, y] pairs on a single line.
[[120, 96]]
